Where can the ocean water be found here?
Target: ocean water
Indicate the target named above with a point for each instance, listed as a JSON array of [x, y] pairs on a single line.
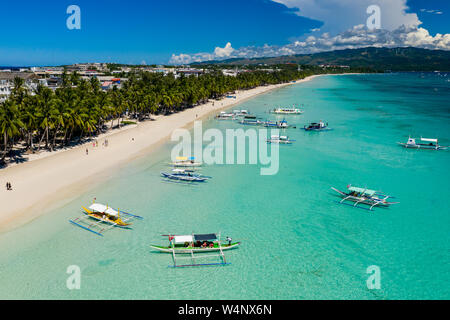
[[297, 242]]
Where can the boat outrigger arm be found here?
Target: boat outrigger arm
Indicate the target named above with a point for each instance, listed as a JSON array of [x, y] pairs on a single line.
[[104, 215]]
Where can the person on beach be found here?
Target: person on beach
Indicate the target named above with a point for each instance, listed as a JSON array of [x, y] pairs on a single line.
[[87, 151]]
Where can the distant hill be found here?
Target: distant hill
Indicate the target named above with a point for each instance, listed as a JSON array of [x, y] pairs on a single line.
[[395, 59]]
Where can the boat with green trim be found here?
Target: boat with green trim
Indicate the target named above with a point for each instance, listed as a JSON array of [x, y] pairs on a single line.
[[194, 244]]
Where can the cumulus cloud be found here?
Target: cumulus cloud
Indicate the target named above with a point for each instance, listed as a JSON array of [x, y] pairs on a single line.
[[218, 54], [340, 15], [357, 37]]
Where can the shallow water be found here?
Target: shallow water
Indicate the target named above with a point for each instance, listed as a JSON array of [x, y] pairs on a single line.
[[297, 242]]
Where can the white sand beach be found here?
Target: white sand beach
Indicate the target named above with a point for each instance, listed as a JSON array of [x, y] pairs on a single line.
[[49, 180]]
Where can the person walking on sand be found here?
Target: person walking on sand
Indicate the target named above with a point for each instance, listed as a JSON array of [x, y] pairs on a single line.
[[87, 151]]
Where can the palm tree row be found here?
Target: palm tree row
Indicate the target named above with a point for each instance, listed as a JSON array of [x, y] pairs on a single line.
[[80, 108]]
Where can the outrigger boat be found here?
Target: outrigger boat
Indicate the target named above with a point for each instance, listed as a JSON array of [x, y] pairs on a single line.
[[251, 120], [279, 139], [185, 175], [314, 126], [240, 113], [365, 196], [185, 162], [286, 111], [277, 124], [196, 243], [431, 144], [226, 116], [104, 215]]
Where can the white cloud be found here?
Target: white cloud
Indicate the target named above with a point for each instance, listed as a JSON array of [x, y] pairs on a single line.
[[218, 54], [340, 15]]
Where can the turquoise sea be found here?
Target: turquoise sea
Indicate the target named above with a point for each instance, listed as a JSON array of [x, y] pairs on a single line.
[[297, 242]]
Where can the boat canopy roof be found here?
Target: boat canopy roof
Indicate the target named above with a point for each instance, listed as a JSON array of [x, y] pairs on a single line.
[[195, 237], [182, 239], [205, 237], [101, 208], [185, 158], [429, 140], [362, 190]]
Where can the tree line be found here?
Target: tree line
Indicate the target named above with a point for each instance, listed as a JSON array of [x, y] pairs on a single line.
[[79, 108]]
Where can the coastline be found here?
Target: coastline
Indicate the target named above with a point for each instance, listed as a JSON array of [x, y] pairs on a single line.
[[50, 180]]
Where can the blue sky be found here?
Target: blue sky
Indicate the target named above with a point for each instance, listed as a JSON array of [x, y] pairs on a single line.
[[35, 32]]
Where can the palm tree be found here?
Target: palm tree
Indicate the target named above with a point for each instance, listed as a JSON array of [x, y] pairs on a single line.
[[10, 124]]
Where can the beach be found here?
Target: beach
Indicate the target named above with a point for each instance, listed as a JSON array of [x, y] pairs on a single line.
[[49, 180]]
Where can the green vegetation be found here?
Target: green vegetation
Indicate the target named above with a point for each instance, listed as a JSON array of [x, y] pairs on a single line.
[[80, 109]]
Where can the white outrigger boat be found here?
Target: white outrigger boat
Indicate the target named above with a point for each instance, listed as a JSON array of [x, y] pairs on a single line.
[[103, 214], [226, 116], [185, 175], [240, 113], [431, 144], [277, 124], [196, 243], [279, 139], [286, 111], [185, 162], [251, 121], [365, 196]]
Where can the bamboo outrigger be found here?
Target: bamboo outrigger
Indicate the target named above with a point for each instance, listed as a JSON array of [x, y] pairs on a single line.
[[104, 215], [364, 196], [196, 243]]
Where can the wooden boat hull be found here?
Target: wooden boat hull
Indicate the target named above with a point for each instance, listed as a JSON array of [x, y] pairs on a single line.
[[183, 250]]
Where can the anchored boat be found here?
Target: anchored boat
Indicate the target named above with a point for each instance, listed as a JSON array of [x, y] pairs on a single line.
[[185, 162], [317, 126], [431, 144], [365, 196], [286, 111], [196, 243], [280, 139], [226, 116], [104, 215], [277, 124], [251, 120], [185, 175]]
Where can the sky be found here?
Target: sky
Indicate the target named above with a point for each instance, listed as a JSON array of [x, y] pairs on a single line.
[[184, 31]]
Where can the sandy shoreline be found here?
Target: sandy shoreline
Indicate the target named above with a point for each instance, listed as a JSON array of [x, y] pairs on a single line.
[[53, 179]]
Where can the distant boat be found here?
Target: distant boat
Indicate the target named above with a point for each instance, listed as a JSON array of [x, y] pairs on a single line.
[[365, 196], [277, 124], [185, 162], [280, 140], [317, 126], [226, 116], [251, 120], [431, 144], [286, 111]]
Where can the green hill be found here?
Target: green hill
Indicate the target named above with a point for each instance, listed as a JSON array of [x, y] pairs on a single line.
[[395, 59]]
